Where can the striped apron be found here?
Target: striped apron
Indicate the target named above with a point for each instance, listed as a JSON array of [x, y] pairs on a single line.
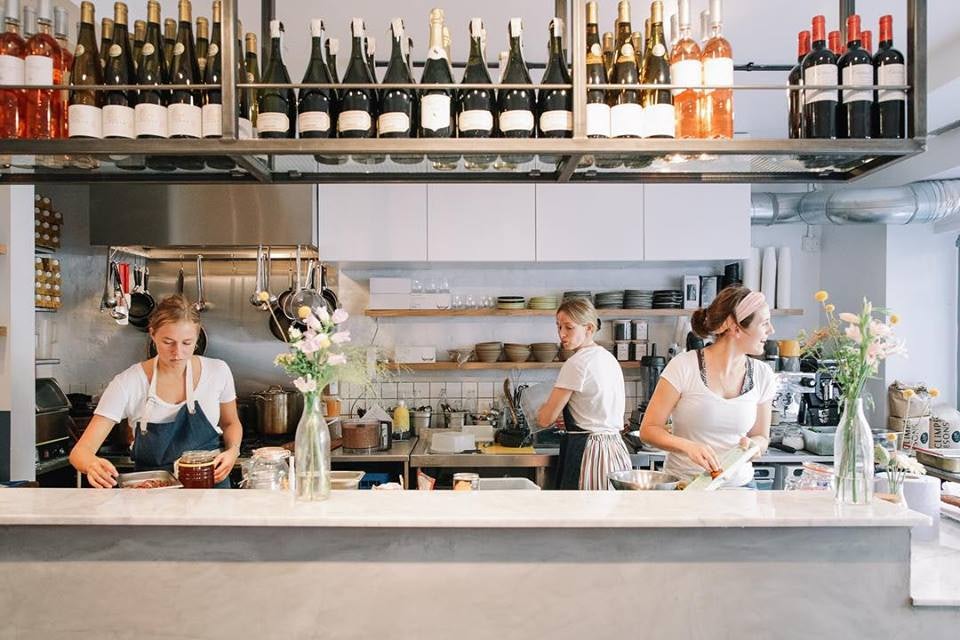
[[587, 458]]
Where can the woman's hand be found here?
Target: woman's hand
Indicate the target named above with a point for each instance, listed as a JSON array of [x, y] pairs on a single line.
[[746, 443], [101, 474], [223, 463], [703, 455]]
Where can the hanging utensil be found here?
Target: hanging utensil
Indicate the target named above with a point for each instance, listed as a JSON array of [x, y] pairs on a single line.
[[201, 304], [508, 397], [328, 294], [108, 300], [258, 285], [288, 309], [142, 303], [267, 266], [180, 281], [119, 312]]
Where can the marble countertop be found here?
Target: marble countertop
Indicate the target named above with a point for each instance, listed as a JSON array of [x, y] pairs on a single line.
[[935, 568], [448, 509]]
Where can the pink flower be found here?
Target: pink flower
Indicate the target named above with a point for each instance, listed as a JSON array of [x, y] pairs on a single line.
[[340, 316], [879, 329], [340, 337], [849, 317], [874, 352], [337, 359], [308, 385], [853, 332], [314, 323], [322, 314]]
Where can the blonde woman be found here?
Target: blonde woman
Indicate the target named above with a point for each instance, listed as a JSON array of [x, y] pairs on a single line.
[[174, 402], [590, 393]]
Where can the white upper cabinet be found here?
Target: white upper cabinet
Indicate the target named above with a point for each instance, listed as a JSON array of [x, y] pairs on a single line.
[[589, 222], [481, 223], [696, 221], [373, 222]]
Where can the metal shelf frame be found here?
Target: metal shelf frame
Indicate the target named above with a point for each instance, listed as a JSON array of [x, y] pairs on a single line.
[[554, 160]]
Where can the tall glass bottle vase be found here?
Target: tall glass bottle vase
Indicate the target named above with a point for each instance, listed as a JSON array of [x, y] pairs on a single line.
[[312, 451], [853, 477]]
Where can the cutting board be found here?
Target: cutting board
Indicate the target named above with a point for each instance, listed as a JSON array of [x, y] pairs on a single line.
[[729, 463], [500, 450]]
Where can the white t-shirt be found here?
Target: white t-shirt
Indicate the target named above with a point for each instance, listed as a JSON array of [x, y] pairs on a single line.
[[596, 379], [703, 416], [124, 396]]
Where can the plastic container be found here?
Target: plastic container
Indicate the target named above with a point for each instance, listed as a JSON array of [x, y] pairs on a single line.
[[345, 479], [507, 484]]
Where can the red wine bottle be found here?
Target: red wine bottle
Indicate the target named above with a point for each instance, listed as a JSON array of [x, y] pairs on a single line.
[[820, 68], [795, 96], [856, 70], [890, 68]]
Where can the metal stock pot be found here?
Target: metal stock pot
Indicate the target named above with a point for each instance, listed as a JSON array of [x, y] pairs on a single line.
[[278, 411]]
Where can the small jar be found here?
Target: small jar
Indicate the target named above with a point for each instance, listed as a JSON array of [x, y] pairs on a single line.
[[195, 469], [466, 481], [269, 468]]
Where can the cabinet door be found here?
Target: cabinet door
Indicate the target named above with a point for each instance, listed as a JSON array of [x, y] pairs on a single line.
[[481, 223], [373, 222], [696, 221], [577, 222]]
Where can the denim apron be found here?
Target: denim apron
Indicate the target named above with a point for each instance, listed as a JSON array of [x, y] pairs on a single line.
[[157, 445]]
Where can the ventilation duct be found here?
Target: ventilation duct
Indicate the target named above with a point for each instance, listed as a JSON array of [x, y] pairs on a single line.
[[916, 203]]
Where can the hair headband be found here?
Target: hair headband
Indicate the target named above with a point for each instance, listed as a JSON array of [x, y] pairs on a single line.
[[749, 305]]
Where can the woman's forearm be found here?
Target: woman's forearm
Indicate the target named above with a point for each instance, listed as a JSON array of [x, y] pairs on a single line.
[[81, 457], [232, 435], [660, 438]]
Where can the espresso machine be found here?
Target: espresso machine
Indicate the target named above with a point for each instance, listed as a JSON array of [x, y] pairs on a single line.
[[821, 408], [651, 366]]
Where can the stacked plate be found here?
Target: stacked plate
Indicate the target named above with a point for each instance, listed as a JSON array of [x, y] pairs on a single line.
[[668, 299], [637, 299], [577, 294], [488, 351], [545, 351], [511, 302], [609, 300], [543, 302], [517, 352]]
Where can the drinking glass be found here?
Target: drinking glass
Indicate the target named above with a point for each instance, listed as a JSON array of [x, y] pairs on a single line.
[[457, 302], [470, 302], [416, 287]]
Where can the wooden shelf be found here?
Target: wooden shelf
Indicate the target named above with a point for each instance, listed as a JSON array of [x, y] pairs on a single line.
[[538, 313], [487, 366]]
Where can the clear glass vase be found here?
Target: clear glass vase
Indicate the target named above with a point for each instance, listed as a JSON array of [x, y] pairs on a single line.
[[312, 451], [853, 478]]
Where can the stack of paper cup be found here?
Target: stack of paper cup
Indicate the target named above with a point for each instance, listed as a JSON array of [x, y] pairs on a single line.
[[768, 275], [751, 270], [923, 495], [783, 278]]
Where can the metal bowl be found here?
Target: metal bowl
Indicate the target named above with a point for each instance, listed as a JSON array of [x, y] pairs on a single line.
[[637, 480]]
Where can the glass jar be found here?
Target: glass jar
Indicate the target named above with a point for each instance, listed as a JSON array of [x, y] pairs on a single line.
[[268, 468], [195, 469]]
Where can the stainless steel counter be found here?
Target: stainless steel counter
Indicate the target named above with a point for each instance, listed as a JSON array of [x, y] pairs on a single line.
[[399, 452]]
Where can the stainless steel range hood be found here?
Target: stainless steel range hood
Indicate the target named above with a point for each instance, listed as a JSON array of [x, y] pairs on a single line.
[[202, 215]]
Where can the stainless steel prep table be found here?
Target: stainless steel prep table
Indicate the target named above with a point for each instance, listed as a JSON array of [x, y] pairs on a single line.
[[539, 461], [399, 451]]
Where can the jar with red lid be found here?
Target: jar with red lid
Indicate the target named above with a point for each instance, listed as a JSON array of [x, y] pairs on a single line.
[[195, 469]]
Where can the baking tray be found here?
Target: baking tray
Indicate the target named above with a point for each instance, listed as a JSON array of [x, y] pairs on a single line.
[[124, 480], [945, 459]]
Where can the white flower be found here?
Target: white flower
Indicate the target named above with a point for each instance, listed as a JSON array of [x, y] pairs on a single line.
[[307, 385], [313, 323], [340, 316], [908, 464], [294, 333], [311, 344], [322, 314], [323, 340], [340, 337], [849, 317], [336, 359]]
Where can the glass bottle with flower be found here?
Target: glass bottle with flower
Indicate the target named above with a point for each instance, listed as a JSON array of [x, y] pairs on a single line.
[[897, 466], [857, 342], [318, 355]]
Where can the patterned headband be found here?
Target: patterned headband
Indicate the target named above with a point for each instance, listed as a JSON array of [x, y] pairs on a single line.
[[749, 305]]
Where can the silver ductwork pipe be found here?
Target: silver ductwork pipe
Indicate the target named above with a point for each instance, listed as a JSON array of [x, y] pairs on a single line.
[[915, 203]]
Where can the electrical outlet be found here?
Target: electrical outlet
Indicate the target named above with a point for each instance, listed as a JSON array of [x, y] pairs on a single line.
[[810, 244]]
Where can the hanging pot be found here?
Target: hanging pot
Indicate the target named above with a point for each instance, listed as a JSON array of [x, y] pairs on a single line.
[[326, 291], [142, 303]]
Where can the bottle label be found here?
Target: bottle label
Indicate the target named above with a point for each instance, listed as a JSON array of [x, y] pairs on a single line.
[[213, 50], [313, 121], [659, 120], [184, 120], [475, 120], [598, 120], [178, 49], [212, 120], [821, 74], [718, 72], [11, 70], [147, 49], [626, 120], [393, 122], [686, 72], [114, 51], [85, 121], [556, 121], [435, 111], [516, 120], [38, 70], [245, 129], [857, 75], [895, 74], [151, 120], [273, 122], [118, 121], [355, 120]]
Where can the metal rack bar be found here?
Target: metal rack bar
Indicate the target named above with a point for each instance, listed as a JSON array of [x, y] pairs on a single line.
[[579, 62], [228, 72], [917, 68]]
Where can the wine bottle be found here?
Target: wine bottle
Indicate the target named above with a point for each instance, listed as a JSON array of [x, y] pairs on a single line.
[[856, 70], [819, 68], [65, 62], [890, 71], [13, 123], [202, 44], [212, 110], [396, 105], [29, 22], [370, 45], [556, 105], [593, 26], [686, 69], [315, 106], [106, 39], [150, 112], [516, 105], [704, 27], [833, 43], [659, 115], [475, 107], [84, 110], [277, 106], [795, 123], [436, 105], [40, 67], [119, 120], [675, 29], [184, 115], [244, 96], [609, 55], [636, 39], [332, 47], [169, 42], [717, 59], [139, 35], [626, 114], [598, 108], [251, 73], [503, 59], [355, 119], [447, 47], [623, 28]]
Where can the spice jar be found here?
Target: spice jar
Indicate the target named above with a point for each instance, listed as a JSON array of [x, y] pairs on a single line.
[[269, 468], [195, 469]]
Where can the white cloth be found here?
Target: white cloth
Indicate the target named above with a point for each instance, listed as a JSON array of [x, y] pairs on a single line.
[[598, 399], [708, 418], [127, 393]]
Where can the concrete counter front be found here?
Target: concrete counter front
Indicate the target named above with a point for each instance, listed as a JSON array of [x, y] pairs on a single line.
[[232, 564]]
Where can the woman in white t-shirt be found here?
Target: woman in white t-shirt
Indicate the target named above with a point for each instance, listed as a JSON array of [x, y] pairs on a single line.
[[589, 392], [174, 402], [718, 396]]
